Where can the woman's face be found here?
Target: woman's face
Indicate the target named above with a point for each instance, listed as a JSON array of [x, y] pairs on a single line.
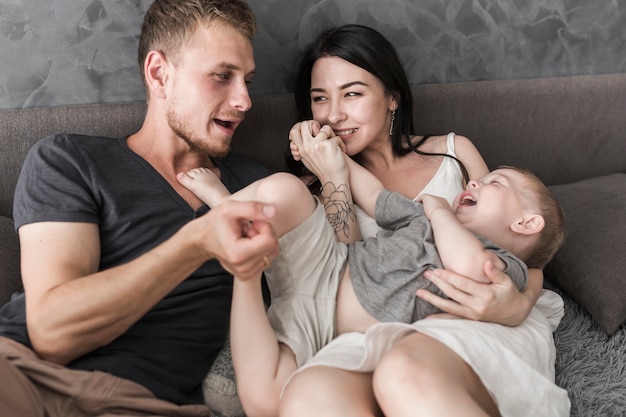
[[352, 102]]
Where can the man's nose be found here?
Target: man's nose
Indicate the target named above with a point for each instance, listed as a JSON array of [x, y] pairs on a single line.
[[241, 97]]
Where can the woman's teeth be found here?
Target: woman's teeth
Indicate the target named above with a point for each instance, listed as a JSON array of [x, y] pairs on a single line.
[[345, 132]]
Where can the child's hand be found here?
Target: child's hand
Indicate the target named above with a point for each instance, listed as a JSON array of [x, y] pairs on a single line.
[[432, 203], [307, 128]]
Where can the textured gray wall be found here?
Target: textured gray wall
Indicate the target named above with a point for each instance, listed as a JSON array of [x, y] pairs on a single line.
[[79, 51]]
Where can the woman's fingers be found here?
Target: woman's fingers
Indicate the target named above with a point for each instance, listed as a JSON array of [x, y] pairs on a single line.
[[468, 298], [473, 300], [327, 131]]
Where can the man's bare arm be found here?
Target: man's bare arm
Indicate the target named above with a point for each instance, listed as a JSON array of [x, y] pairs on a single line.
[[72, 309]]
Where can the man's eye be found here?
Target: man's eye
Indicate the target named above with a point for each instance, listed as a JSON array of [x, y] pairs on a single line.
[[223, 76]]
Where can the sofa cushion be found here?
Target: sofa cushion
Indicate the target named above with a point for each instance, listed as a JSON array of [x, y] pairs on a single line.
[[220, 386], [9, 260], [591, 264]]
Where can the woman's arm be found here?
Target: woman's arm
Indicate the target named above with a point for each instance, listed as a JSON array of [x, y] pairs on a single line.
[[364, 185], [322, 154]]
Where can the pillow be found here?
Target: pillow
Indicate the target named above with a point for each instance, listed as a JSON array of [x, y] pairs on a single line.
[[220, 387], [591, 265]]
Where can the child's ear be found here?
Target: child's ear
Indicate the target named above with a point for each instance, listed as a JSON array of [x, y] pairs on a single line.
[[528, 225]]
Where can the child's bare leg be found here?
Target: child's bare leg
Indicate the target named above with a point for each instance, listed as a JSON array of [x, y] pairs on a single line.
[[262, 365], [205, 185], [292, 199]]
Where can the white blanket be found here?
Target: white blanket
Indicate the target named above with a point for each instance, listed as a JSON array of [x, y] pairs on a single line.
[[516, 364]]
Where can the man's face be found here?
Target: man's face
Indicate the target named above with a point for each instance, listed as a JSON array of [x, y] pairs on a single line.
[[207, 89]]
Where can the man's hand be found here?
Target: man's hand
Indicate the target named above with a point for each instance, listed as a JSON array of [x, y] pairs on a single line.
[[240, 237]]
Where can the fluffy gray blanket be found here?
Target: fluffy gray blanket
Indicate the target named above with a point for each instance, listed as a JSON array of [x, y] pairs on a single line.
[[595, 387]]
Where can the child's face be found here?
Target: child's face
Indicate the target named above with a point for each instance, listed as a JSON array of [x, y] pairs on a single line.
[[492, 204]]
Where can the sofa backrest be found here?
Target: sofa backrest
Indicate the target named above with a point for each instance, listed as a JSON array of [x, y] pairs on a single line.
[[21, 128], [563, 129]]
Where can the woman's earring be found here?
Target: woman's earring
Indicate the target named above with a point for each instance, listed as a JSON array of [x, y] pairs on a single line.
[[393, 117]]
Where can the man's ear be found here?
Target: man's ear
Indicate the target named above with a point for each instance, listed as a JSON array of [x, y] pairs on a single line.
[[155, 70], [530, 224]]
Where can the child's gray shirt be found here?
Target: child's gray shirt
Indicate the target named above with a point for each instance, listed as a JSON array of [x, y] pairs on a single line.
[[387, 270]]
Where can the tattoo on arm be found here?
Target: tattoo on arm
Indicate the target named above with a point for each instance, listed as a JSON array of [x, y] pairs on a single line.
[[340, 212]]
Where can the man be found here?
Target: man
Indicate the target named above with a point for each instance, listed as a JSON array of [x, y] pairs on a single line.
[[126, 305]]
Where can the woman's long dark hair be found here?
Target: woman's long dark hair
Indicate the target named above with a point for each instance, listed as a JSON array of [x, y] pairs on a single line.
[[368, 49]]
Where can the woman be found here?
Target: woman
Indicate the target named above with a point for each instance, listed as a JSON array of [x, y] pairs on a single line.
[[352, 84]]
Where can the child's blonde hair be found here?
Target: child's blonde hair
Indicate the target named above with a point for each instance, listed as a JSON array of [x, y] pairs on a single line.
[[552, 235]]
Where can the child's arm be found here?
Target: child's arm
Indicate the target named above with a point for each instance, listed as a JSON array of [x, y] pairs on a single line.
[[459, 249], [364, 185]]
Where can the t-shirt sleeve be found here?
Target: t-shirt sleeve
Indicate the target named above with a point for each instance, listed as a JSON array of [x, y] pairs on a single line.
[[394, 211], [516, 269], [54, 185]]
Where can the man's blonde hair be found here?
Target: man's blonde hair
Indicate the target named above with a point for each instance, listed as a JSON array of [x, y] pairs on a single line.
[[168, 24]]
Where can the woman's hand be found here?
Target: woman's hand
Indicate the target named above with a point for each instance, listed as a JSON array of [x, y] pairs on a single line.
[[320, 150], [498, 302], [323, 153]]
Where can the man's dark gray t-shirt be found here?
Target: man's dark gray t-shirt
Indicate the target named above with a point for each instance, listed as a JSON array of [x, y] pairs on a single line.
[[387, 270], [70, 178]]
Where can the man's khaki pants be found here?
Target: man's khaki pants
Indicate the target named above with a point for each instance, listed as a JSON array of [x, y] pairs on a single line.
[[31, 387]]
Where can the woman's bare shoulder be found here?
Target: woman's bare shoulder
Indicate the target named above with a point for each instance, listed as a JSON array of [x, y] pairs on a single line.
[[432, 144], [462, 143], [468, 154]]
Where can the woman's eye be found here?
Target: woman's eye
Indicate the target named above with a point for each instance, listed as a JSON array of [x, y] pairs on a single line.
[[352, 94], [317, 99]]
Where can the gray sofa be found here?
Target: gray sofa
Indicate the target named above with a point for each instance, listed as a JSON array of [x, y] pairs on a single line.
[[570, 131]]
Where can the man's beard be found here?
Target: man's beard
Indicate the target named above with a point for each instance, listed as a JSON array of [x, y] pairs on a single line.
[[197, 144]]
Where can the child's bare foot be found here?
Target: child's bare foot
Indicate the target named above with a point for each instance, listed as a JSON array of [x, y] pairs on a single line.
[[204, 184]]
